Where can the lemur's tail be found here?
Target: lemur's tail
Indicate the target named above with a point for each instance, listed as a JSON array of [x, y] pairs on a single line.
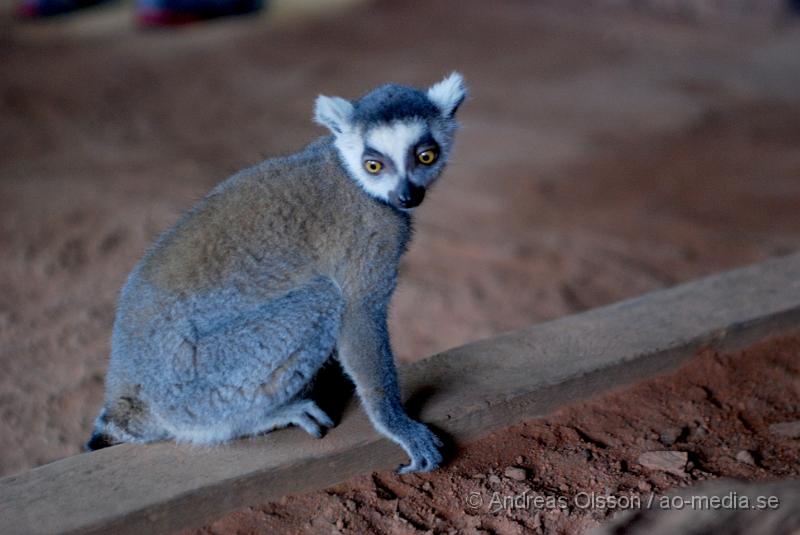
[[99, 438], [98, 441]]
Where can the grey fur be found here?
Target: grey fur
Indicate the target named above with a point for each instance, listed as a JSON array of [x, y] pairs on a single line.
[[224, 323]]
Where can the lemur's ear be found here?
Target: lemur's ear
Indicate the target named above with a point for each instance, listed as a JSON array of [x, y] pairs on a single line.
[[448, 94], [333, 113]]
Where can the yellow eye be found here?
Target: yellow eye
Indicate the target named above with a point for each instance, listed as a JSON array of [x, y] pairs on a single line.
[[427, 157], [373, 167]]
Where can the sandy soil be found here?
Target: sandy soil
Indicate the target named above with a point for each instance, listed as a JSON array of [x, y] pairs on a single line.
[[717, 410], [602, 155]]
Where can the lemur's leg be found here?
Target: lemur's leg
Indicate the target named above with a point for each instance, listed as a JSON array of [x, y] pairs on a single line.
[[366, 356], [246, 376]]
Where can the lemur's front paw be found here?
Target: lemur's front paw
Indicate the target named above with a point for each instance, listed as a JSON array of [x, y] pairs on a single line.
[[422, 446]]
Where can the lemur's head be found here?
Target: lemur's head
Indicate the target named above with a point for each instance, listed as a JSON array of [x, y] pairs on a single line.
[[395, 140]]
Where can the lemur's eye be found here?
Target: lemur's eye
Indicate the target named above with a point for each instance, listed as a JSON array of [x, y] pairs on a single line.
[[427, 157], [373, 167]]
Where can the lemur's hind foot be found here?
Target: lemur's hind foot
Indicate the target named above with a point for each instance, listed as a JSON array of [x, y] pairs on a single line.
[[305, 414]]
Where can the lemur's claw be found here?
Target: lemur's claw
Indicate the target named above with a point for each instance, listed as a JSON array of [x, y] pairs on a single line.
[[423, 448]]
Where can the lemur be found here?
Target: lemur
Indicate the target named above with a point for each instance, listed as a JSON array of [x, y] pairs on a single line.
[[224, 323]]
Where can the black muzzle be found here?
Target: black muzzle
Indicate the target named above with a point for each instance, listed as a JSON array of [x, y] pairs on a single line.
[[409, 194]]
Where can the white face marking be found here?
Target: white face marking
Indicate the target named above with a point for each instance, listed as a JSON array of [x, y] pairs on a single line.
[[393, 141]]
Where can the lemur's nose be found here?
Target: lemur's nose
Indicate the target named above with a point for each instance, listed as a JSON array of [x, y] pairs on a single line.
[[410, 194]]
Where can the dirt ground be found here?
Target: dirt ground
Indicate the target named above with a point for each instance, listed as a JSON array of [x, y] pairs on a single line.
[[604, 153], [717, 410]]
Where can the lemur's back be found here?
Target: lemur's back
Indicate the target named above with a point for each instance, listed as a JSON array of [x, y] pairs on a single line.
[[281, 221]]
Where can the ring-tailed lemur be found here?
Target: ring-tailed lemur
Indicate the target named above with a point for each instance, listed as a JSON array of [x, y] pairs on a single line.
[[226, 320]]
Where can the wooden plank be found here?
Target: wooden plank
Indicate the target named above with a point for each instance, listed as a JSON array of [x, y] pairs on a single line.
[[466, 392]]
